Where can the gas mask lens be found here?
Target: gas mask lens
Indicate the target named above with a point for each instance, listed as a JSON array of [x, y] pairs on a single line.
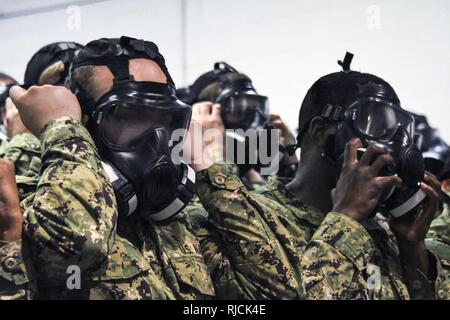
[[240, 110], [123, 126], [378, 119]]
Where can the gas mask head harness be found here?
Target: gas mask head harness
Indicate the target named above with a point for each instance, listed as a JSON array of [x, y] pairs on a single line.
[[48, 55], [368, 108], [132, 126]]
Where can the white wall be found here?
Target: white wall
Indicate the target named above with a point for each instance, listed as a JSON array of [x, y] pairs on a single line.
[[283, 45]]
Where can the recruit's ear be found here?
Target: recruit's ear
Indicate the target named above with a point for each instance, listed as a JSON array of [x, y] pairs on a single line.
[[320, 129]]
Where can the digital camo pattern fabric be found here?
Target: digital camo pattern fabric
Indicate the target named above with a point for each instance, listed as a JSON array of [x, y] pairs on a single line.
[[438, 241], [346, 260], [71, 219], [252, 242], [170, 253], [25, 152]]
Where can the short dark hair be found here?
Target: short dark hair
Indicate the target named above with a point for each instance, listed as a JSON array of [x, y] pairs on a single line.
[[82, 78]]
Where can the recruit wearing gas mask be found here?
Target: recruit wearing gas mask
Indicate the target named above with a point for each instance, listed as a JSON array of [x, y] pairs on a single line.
[[132, 126], [241, 108], [370, 110]]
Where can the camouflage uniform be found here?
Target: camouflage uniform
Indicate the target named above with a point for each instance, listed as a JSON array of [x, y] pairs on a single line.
[[24, 151], [438, 241], [349, 260], [251, 242], [71, 220]]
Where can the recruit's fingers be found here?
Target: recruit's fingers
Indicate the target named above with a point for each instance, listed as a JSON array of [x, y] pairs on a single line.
[[389, 181], [381, 162], [350, 156], [431, 204], [215, 112], [431, 180], [370, 154], [16, 93]]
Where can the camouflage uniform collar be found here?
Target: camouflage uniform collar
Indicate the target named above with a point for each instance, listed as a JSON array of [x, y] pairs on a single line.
[[275, 185]]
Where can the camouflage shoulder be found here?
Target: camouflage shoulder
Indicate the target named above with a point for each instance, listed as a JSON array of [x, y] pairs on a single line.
[[24, 151], [440, 227], [196, 213], [348, 236]]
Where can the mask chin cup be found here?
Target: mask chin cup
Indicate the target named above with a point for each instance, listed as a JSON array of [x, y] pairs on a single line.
[[184, 194], [127, 201], [126, 198], [398, 208]]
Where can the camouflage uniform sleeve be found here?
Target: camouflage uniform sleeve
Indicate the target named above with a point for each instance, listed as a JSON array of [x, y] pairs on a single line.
[[24, 150], [441, 252], [442, 284], [418, 284], [72, 217], [13, 275], [212, 248], [336, 258], [250, 254], [440, 228]]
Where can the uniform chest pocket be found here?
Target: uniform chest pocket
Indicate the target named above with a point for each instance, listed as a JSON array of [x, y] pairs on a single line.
[[124, 261], [192, 271]]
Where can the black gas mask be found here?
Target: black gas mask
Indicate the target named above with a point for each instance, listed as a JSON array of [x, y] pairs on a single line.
[[132, 126], [241, 106], [379, 122], [365, 106]]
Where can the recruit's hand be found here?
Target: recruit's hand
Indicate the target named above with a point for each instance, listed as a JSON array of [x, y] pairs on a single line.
[[205, 141], [414, 231], [10, 213], [359, 187], [13, 122], [411, 234], [39, 105], [286, 136]]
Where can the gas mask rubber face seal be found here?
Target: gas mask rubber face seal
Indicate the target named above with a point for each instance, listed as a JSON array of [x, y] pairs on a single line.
[[385, 124], [132, 125]]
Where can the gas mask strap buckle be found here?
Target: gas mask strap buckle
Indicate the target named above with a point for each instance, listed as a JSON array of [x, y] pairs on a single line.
[[332, 112], [223, 67], [347, 62]]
